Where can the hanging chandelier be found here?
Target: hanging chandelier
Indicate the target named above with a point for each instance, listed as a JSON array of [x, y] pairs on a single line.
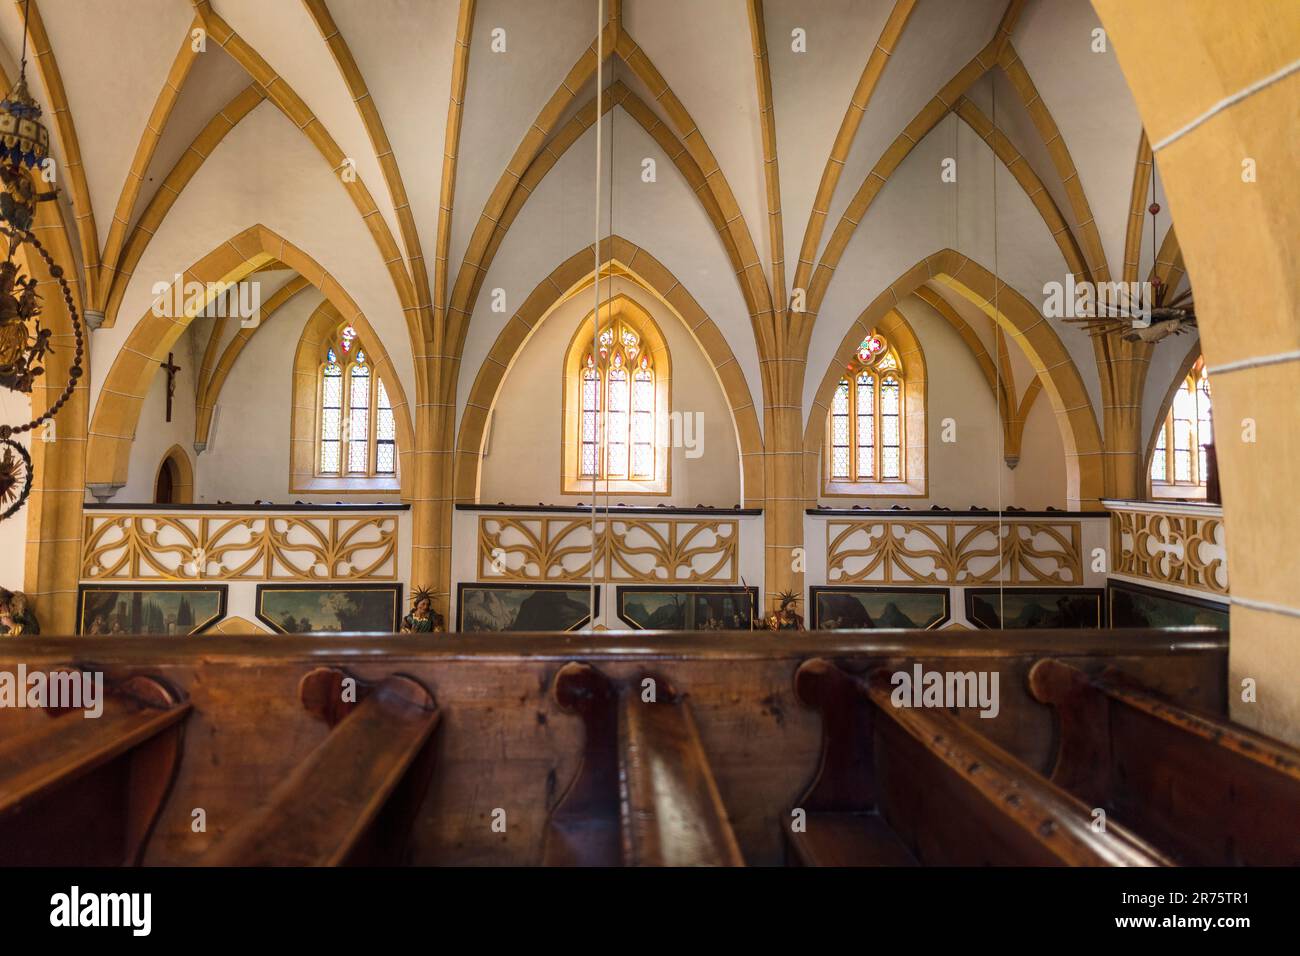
[[24, 342]]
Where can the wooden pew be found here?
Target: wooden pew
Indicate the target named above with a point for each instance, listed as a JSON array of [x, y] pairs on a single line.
[[903, 786], [644, 794], [353, 800], [83, 791], [1207, 791]]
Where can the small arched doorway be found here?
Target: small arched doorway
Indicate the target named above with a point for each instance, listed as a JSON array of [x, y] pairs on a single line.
[[174, 484]]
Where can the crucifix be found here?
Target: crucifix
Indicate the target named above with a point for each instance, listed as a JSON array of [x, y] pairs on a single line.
[[171, 368]]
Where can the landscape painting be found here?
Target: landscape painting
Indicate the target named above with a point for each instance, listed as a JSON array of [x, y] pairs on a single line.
[[170, 610], [1132, 605], [1019, 608], [836, 609], [687, 609], [329, 608], [523, 607]]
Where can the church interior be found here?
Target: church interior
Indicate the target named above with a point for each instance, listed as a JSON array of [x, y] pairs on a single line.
[[649, 433]]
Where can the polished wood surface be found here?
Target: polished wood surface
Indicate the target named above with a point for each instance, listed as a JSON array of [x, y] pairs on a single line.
[[947, 794], [643, 793], [506, 743], [88, 791], [672, 812], [1208, 791], [334, 807]]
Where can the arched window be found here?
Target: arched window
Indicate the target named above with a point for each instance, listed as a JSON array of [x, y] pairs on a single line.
[[618, 397], [1179, 463], [357, 437], [867, 429]]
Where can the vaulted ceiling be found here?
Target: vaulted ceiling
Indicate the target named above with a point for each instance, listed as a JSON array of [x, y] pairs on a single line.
[[397, 141]]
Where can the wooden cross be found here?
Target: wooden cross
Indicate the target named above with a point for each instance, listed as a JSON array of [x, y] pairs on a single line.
[[171, 368]]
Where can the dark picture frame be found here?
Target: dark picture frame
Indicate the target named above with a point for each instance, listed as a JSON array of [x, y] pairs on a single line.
[[820, 617], [1086, 607], [702, 601], [540, 613], [1121, 610], [90, 608], [375, 616]]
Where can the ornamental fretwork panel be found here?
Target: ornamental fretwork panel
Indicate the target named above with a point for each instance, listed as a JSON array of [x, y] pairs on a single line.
[[224, 547], [526, 548], [953, 551], [1181, 549]]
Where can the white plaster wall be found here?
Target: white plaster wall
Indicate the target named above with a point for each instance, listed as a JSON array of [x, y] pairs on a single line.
[[15, 407], [664, 218], [1039, 479], [523, 461], [265, 171], [154, 435], [247, 458]]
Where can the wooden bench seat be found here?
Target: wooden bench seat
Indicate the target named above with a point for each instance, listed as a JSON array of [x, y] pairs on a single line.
[[353, 800], [83, 791], [644, 794], [898, 786], [1207, 791]]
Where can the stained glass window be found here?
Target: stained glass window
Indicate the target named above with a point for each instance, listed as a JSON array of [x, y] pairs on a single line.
[[866, 419], [840, 433], [331, 419], [1180, 456], [617, 407], [358, 430]]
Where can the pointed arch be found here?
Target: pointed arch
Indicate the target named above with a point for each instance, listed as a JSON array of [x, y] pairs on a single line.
[[902, 342], [117, 412], [182, 475], [618, 257], [304, 418], [1019, 319]]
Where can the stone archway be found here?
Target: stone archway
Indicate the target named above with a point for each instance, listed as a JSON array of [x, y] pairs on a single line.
[[1019, 319], [1216, 86], [113, 425], [620, 257]]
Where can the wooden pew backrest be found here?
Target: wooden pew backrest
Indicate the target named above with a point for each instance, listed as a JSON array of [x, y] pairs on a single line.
[[1208, 791], [644, 794], [82, 791], [354, 797], [948, 794]]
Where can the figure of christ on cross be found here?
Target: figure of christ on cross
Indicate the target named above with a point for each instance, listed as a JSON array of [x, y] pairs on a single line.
[[171, 368]]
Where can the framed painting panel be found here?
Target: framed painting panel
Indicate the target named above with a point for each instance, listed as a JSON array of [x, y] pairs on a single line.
[[714, 608], [330, 608], [851, 608], [523, 607], [153, 609], [1021, 608], [1132, 605]]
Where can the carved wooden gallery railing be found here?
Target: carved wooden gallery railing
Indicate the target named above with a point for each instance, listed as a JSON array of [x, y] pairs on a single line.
[[226, 546], [925, 550], [643, 549], [1170, 544]]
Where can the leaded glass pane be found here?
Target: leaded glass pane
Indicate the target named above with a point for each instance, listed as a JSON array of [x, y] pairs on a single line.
[[1159, 462], [840, 462], [383, 397], [889, 463], [359, 396], [385, 428], [330, 419], [332, 393], [1182, 465], [385, 458], [329, 457], [840, 430]]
